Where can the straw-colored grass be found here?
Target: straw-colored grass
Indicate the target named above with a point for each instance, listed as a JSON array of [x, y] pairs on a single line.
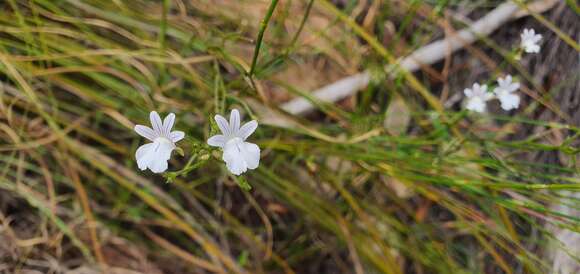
[[389, 181]]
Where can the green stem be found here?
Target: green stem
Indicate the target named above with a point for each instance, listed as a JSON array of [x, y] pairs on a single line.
[[162, 40], [163, 27], [263, 26], [295, 38]]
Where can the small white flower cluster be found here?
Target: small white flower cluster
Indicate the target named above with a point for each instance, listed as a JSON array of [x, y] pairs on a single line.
[[238, 154], [477, 96]]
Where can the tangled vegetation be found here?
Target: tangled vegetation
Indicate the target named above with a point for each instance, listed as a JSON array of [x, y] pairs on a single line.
[[399, 178]]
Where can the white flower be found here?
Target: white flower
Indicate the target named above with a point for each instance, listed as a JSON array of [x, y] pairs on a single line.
[[155, 155], [530, 41], [504, 93], [238, 154], [477, 97]]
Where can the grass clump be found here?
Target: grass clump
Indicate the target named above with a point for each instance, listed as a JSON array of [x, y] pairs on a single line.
[[346, 189]]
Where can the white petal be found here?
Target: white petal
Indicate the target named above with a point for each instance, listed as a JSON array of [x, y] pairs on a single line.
[[500, 82], [217, 141], [483, 88], [251, 154], [476, 104], [158, 165], [168, 123], [508, 79], [223, 124], [176, 136], [146, 132], [164, 149], [162, 153], [234, 160], [487, 96], [156, 122], [234, 121], [468, 92], [509, 101], [154, 155], [143, 155], [247, 129], [513, 87]]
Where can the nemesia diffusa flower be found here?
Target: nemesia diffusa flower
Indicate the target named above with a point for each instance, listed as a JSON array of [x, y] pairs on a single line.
[[155, 155], [530, 41], [238, 154], [504, 92], [477, 96]]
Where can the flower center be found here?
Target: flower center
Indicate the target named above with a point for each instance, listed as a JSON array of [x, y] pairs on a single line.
[[162, 141], [235, 140]]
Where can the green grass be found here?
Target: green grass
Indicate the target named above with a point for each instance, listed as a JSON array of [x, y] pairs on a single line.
[[447, 195]]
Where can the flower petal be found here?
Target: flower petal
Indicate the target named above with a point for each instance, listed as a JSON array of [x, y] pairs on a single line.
[[156, 122], [247, 129], [251, 154], [154, 155], [483, 88], [487, 96], [509, 101], [217, 141], [468, 92], [513, 87], [500, 81], [146, 132], [222, 124], [476, 104], [159, 165], [143, 155], [176, 136], [234, 121], [164, 149], [162, 153], [234, 159], [168, 124]]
